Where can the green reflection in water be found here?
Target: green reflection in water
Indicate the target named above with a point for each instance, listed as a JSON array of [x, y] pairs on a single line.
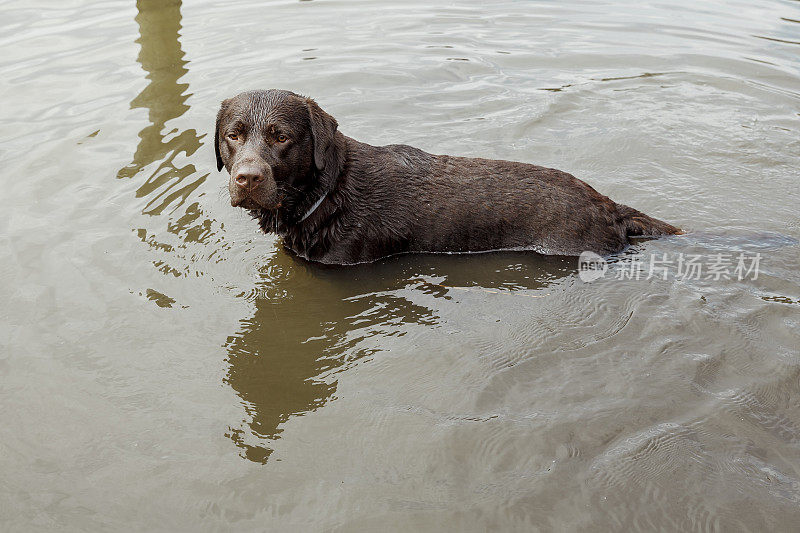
[[311, 322], [161, 56]]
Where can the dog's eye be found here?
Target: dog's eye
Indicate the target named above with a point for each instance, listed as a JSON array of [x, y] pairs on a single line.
[[281, 138], [233, 136]]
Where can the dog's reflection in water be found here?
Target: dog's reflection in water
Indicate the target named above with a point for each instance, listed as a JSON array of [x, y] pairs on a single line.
[[309, 322]]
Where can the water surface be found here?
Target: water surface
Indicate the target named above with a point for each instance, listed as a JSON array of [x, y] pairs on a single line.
[[166, 367]]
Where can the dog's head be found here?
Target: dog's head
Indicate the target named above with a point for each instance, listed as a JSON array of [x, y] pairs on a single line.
[[279, 149]]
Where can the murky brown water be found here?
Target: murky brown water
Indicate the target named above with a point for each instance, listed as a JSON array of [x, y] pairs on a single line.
[[166, 367]]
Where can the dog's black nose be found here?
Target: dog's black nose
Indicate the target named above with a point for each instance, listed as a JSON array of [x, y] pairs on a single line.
[[248, 178]]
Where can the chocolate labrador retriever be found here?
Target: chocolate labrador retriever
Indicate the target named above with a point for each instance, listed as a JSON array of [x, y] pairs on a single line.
[[339, 201]]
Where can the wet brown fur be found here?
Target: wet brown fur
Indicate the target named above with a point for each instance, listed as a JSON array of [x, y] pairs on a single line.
[[385, 200]]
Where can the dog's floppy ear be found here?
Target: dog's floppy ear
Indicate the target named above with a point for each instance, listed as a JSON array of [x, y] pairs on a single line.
[[222, 109], [323, 130]]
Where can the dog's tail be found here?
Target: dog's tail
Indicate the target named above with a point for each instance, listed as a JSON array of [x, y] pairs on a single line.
[[638, 224]]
